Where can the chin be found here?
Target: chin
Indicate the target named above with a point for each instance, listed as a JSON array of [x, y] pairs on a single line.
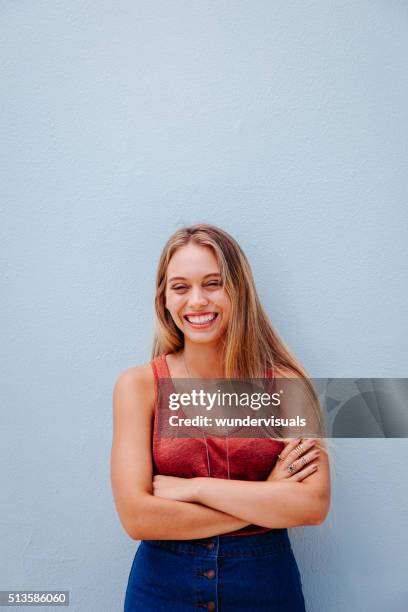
[[200, 340]]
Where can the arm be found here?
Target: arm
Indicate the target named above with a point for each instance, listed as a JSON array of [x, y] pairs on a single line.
[[143, 515], [270, 504], [273, 503]]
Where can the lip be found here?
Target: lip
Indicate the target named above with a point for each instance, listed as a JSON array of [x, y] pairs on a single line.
[[200, 314]]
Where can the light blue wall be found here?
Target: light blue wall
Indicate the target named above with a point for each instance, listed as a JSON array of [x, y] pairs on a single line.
[[284, 123]]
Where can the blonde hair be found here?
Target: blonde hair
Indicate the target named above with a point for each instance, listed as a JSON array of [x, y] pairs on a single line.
[[250, 344]]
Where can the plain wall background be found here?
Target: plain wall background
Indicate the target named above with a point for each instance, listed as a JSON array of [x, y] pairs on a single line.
[[284, 123]]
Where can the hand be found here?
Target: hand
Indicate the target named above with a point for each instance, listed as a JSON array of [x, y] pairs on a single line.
[[175, 488], [299, 454]]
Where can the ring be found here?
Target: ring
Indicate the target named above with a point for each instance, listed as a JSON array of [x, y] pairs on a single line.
[[291, 468], [280, 458], [299, 449]]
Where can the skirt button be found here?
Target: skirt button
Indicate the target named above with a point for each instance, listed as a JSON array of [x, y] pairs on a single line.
[[210, 605], [210, 573]]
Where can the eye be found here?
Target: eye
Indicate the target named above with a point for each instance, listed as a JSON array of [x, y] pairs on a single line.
[[182, 288], [214, 284]]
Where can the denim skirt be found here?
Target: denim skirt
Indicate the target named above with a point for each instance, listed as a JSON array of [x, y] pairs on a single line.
[[224, 574]]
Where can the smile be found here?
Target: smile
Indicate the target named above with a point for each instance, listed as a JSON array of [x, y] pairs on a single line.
[[201, 321]]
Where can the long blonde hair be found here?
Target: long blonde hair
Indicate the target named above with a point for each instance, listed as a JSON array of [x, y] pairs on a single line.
[[251, 343]]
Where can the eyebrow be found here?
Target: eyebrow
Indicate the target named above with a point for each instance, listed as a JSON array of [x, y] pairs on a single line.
[[183, 278]]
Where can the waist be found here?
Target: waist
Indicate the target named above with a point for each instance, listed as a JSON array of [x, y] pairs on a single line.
[[272, 541]]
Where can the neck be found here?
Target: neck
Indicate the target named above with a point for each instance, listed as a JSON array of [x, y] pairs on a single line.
[[204, 360]]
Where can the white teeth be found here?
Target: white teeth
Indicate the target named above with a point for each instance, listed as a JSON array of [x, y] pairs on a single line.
[[202, 319]]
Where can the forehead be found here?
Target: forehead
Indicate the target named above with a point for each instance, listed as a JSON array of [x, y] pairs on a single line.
[[193, 260]]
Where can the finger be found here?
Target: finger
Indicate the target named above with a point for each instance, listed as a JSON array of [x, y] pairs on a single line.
[[299, 464], [298, 451], [288, 448], [307, 471], [302, 461]]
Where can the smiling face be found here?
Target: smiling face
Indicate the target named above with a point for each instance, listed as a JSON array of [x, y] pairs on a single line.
[[195, 295]]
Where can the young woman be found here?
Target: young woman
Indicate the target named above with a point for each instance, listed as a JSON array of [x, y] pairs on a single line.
[[211, 513]]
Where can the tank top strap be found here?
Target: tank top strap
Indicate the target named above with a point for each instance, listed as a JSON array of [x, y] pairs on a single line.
[[160, 370], [160, 367]]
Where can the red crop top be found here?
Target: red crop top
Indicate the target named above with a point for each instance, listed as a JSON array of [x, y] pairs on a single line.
[[249, 458]]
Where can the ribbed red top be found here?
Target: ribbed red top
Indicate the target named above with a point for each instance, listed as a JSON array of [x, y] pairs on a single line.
[[186, 457]]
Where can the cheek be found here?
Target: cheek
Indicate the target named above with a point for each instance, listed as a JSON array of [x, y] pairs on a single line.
[[169, 303], [173, 302], [226, 308]]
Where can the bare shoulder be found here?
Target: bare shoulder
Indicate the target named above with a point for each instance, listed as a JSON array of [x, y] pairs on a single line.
[[135, 383], [141, 375]]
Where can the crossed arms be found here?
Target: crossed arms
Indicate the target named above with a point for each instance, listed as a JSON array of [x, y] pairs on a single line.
[[171, 508]]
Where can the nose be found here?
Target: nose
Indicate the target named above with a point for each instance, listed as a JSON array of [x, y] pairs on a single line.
[[197, 298]]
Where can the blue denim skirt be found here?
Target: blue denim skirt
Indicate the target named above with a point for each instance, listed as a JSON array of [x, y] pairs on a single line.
[[225, 574]]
